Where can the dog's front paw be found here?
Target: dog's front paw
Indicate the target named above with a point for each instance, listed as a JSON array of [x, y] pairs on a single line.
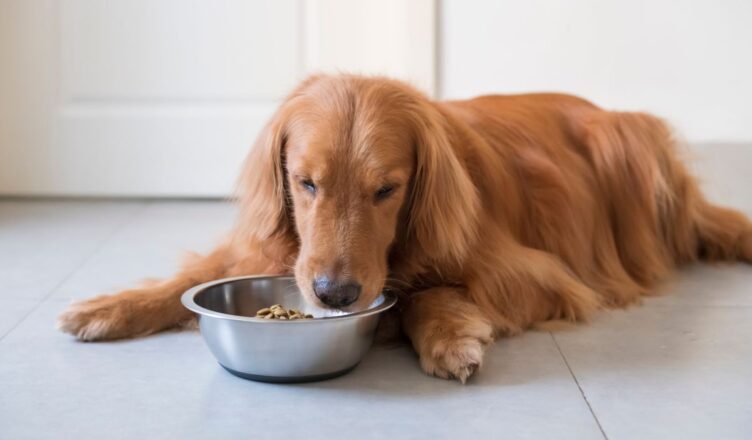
[[456, 358], [100, 318]]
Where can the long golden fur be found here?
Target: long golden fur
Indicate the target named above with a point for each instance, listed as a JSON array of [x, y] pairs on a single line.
[[489, 215]]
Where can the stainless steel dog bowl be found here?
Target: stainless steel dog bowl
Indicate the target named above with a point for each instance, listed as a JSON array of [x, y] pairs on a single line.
[[329, 345]]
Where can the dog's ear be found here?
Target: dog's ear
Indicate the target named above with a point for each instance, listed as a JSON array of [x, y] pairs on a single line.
[[264, 207], [444, 203]]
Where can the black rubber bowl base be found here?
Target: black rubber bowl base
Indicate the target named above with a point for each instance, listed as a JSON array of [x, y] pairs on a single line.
[[288, 379]]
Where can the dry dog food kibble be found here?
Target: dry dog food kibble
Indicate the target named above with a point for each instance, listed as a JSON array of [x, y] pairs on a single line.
[[278, 312]]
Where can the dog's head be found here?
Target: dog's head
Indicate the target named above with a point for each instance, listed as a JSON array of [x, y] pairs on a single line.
[[347, 167]]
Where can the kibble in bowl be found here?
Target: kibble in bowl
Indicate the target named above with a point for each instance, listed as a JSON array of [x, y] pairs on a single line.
[[276, 311], [295, 343]]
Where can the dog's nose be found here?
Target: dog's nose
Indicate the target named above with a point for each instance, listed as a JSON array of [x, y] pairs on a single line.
[[336, 294]]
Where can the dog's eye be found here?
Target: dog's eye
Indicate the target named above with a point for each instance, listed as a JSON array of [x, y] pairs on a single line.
[[384, 192], [308, 185]]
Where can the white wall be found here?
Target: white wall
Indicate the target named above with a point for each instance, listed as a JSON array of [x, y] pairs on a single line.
[[689, 61]]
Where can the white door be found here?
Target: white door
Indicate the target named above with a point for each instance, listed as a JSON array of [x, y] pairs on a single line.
[[164, 97]]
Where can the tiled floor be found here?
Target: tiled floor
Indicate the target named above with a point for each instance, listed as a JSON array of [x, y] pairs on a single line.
[[680, 366]]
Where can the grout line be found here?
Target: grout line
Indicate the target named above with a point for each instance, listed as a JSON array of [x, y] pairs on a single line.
[[36, 306], [582, 392], [13, 327], [117, 228]]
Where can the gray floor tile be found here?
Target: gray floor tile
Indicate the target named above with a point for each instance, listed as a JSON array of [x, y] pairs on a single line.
[[169, 386], [667, 372], [707, 285], [12, 311], [43, 242], [152, 245]]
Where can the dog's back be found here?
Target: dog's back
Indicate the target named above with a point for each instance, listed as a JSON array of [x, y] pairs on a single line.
[[605, 191]]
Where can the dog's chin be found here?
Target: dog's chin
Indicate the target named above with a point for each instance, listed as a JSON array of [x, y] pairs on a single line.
[[358, 306], [363, 303]]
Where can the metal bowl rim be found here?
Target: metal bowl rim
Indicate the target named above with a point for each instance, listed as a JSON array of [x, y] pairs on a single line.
[[188, 300]]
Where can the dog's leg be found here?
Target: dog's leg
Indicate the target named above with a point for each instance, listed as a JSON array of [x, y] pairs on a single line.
[[518, 286], [448, 331], [514, 288], [145, 310], [156, 306]]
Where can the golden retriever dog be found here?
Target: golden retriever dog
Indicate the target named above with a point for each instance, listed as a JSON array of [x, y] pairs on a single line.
[[488, 216]]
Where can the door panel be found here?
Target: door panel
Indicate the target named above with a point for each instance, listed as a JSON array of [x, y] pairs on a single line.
[[178, 50], [165, 97]]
